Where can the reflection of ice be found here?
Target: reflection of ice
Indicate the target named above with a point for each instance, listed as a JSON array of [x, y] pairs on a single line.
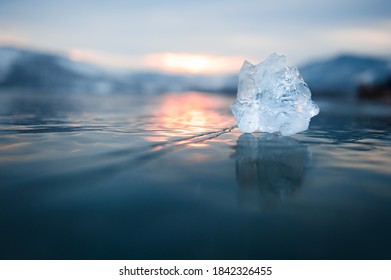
[[269, 168]]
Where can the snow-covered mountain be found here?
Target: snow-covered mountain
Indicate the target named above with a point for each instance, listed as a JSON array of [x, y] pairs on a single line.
[[35, 70], [25, 69], [344, 74]]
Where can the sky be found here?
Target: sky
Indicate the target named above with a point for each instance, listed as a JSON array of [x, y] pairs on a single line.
[[196, 36]]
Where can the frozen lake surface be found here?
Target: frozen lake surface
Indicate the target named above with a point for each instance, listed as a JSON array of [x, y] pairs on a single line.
[[171, 177]]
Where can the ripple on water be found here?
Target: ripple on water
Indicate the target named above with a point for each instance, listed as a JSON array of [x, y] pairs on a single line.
[[90, 173]]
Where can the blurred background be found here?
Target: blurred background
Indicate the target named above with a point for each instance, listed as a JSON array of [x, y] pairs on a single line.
[[117, 140], [342, 48]]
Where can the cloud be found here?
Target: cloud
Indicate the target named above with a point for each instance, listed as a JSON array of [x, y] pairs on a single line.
[[193, 63], [126, 32], [9, 38], [375, 40], [361, 39], [106, 58], [199, 63]]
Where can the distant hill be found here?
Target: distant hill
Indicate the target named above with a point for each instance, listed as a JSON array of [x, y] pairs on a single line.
[[342, 76], [26, 69], [345, 74]]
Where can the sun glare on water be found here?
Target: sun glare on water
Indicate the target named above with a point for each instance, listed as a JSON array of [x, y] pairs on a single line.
[[188, 114]]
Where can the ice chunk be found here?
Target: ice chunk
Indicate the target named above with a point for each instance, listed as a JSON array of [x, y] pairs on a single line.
[[273, 97]]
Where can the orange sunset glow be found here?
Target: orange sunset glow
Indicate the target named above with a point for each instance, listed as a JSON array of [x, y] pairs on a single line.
[[183, 63], [193, 112], [190, 113], [194, 63]]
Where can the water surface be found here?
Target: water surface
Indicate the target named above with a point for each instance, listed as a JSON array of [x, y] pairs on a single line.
[[171, 177]]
